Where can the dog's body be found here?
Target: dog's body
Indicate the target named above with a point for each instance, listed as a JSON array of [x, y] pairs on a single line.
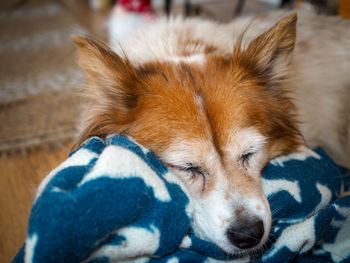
[[216, 110]]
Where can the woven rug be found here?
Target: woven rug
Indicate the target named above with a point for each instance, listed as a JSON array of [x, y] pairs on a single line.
[[39, 77]]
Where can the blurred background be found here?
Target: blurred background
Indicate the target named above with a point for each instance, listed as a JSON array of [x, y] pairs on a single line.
[[40, 81]]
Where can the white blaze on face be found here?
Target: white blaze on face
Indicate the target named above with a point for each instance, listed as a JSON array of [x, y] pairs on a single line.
[[217, 207], [214, 214], [246, 190]]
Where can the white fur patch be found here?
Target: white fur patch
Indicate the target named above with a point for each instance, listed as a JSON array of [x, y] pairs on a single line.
[[182, 151], [252, 204], [213, 216], [243, 141], [196, 58]]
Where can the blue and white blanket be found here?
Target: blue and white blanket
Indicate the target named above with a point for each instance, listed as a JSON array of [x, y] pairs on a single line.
[[114, 201]]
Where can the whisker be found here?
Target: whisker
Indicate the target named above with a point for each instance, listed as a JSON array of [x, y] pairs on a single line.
[[235, 232]]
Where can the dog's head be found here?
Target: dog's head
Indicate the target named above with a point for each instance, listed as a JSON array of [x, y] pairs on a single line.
[[215, 124]]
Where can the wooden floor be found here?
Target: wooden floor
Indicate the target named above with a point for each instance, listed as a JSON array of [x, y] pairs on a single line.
[[19, 177]]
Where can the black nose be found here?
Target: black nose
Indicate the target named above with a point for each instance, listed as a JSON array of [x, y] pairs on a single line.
[[246, 234]]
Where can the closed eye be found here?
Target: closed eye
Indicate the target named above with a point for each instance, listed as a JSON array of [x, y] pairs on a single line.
[[245, 158], [190, 168], [194, 175], [193, 170]]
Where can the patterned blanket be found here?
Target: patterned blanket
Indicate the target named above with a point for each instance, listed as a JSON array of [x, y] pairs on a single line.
[[114, 201]]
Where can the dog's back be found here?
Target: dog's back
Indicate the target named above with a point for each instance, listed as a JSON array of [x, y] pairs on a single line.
[[318, 77]]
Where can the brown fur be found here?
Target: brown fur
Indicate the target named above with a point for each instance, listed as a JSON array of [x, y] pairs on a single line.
[[154, 102]]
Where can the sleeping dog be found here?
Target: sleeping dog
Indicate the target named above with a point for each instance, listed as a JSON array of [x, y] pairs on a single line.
[[216, 102]]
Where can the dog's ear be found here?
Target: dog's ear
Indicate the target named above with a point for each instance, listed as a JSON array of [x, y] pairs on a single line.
[[267, 58], [112, 87], [271, 51], [107, 74]]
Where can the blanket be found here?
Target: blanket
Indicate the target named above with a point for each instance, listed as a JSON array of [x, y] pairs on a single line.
[[114, 201]]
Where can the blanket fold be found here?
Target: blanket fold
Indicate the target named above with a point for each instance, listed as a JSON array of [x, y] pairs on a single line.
[[114, 201]]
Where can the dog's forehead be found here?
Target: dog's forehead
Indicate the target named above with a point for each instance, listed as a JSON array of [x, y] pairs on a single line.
[[198, 152], [195, 103], [244, 140]]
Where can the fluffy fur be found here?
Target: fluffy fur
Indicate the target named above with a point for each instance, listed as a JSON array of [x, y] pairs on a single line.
[[216, 105]]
